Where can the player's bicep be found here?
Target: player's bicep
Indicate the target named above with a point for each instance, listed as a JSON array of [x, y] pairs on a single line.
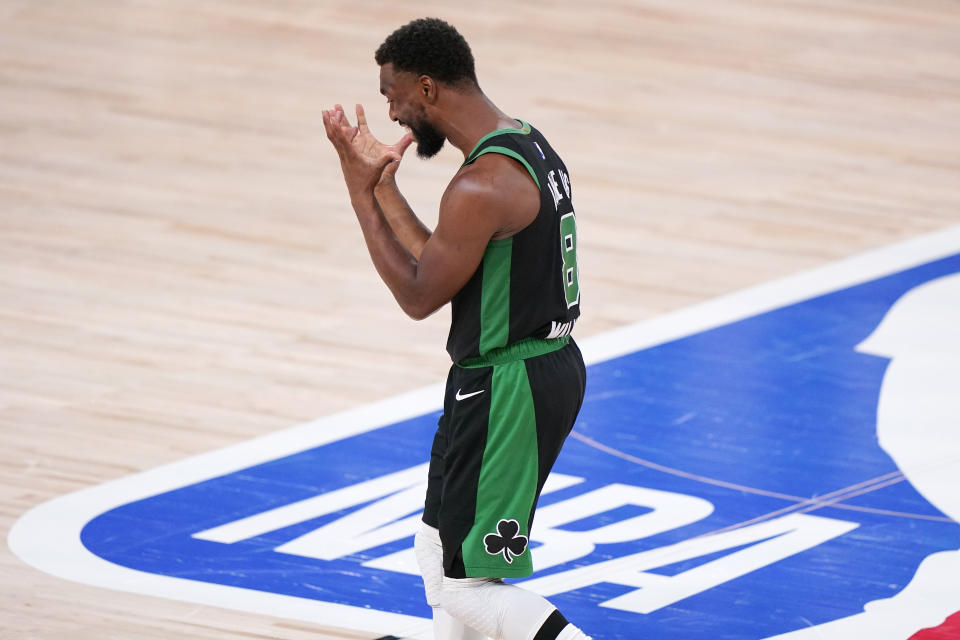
[[455, 250]]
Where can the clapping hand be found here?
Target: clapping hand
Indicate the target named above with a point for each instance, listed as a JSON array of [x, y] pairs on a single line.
[[364, 159]]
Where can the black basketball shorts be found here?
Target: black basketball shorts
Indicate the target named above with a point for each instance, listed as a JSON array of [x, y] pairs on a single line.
[[505, 418]]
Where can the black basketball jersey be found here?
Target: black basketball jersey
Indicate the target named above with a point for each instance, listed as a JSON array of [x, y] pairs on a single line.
[[528, 284]]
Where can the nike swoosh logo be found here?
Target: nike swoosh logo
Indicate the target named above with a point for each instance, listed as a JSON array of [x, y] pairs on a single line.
[[461, 396]]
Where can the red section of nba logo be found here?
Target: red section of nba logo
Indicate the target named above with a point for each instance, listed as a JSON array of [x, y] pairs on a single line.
[[949, 630]]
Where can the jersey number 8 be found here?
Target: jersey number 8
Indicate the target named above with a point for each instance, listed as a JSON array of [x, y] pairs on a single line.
[[568, 250]]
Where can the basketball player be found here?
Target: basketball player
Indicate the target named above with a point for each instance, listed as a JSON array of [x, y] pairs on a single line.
[[504, 254]]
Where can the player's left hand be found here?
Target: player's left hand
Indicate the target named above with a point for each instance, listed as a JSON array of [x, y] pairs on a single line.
[[362, 157]]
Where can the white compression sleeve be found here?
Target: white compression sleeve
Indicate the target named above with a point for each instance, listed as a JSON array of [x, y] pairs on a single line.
[[501, 611], [429, 552], [478, 608]]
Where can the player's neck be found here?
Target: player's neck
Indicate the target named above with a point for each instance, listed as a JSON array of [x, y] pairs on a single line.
[[475, 116]]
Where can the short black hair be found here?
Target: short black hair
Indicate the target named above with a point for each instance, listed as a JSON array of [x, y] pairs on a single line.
[[431, 47]]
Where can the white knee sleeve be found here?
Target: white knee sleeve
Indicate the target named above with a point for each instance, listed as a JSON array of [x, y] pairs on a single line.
[[478, 607], [498, 610], [446, 627], [429, 552]]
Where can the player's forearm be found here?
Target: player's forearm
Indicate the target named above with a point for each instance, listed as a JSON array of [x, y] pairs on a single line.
[[393, 261], [410, 231]]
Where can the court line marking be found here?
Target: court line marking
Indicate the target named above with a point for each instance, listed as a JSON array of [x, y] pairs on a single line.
[[814, 500], [814, 504], [752, 301], [47, 536]]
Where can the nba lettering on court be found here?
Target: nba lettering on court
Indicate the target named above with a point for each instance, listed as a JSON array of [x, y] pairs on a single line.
[[778, 463]]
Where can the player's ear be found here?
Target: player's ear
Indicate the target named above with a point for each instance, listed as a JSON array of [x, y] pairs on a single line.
[[427, 88]]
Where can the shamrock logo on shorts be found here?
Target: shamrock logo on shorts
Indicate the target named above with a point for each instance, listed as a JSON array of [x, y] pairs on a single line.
[[508, 542]]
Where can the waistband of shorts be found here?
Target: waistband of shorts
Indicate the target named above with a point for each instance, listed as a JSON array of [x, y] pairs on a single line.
[[521, 350]]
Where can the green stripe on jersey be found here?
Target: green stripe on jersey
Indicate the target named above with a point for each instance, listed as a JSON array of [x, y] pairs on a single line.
[[507, 485], [516, 156], [495, 295], [525, 130]]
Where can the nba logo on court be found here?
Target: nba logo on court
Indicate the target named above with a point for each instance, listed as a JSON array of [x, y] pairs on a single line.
[[781, 463]]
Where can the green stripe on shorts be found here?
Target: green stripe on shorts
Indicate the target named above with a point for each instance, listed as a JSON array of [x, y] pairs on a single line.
[[507, 485]]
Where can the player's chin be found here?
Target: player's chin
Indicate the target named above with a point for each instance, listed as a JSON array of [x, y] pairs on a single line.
[[428, 149]]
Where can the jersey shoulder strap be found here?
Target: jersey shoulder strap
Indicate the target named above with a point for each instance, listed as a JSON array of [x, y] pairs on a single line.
[[493, 143]]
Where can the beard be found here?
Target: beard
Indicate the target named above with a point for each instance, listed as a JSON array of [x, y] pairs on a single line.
[[429, 139]]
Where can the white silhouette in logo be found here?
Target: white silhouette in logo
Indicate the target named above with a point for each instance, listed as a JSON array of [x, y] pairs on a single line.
[[918, 425], [918, 416]]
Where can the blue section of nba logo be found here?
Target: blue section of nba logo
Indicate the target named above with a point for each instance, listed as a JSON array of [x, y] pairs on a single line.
[[756, 418]]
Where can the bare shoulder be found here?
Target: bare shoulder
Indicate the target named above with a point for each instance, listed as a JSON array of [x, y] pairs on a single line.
[[497, 188]]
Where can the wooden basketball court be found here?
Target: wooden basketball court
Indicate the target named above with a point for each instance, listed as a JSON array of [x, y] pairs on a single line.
[[180, 269]]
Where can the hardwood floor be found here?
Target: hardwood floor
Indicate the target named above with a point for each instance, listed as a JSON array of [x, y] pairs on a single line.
[[180, 268]]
